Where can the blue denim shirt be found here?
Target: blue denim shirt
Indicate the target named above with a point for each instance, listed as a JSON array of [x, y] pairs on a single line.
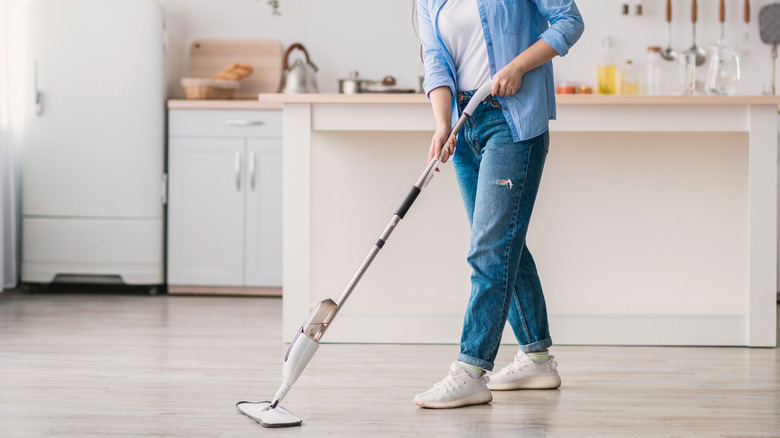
[[510, 27]]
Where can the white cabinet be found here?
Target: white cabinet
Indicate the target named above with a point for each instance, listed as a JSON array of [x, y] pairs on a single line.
[[225, 200], [263, 244]]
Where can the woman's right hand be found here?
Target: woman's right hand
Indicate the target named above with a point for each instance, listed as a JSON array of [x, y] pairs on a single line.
[[441, 144]]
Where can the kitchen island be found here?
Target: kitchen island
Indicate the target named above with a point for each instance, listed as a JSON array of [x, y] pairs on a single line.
[[656, 221]]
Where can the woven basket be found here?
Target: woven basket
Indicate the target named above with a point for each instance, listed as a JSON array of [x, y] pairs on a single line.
[[196, 88]]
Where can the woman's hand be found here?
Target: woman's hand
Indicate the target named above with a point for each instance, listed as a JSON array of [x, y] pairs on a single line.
[[507, 81], [441, 143], [441, 99]]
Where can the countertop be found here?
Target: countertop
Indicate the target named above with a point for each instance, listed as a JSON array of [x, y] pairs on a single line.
[[275, 101], [561, 99]]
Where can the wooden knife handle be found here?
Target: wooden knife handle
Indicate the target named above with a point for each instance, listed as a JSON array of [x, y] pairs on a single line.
[[722, 11], [694, 11], [747, 11], [669, 11]]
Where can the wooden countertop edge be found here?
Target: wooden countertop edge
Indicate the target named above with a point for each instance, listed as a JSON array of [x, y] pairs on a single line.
[[224, 104], [276, 101], [561, 99]]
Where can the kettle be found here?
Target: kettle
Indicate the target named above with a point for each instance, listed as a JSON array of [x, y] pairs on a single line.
[[299, 77]]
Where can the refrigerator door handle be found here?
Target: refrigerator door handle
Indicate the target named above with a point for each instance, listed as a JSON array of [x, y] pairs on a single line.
[[36, 92], [165, 36], [238, 171]]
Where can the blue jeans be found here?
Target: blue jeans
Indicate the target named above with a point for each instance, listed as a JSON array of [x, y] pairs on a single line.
[[498, 181]]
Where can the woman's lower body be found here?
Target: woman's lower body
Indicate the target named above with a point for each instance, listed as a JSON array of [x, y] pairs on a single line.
[[498, 179]]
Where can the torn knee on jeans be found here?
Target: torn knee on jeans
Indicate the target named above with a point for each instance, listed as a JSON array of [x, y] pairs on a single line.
[[505, 182]]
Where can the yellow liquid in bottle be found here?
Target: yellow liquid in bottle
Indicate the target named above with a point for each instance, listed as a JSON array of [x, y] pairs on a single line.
[[630, 88], [606, 79]]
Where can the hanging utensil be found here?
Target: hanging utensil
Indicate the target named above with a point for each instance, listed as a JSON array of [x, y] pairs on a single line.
[[724, 70], [769, 28], [669, 53], [701, 55], [744, 45]]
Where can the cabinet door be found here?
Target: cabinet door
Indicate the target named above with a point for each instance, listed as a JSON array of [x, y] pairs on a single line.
[[206, 211], [264, 213]]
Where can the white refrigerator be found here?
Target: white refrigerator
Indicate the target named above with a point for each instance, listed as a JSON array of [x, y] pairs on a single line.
[[93, 143]]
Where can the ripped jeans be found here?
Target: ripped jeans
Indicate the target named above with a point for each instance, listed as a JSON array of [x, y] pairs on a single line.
[[498, 181]]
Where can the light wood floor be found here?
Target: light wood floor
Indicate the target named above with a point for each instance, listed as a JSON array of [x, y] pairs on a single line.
[[107, 365]]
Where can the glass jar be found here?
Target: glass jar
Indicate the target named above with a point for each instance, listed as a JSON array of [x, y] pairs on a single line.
[[654, 71], [628, 82]]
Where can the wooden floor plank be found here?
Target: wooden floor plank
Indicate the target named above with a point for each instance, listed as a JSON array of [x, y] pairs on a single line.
[[110, 365]]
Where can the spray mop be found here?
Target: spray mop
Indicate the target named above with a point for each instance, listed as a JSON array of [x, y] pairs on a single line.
[[306, 341]]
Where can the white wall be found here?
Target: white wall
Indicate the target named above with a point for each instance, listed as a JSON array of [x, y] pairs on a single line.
[[633, 34], [376, 37]]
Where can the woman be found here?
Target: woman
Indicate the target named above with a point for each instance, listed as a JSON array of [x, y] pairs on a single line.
[[498, 161]]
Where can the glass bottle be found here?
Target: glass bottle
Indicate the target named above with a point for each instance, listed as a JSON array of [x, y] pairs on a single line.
[[606, 84], [628, 79], [654, 71]]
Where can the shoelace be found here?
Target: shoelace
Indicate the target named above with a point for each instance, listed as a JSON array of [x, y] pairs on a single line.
[[518, 364], [448, 383]]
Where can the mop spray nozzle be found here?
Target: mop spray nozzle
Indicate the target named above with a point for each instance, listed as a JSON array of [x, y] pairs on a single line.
[[270, 414], [279, 395]]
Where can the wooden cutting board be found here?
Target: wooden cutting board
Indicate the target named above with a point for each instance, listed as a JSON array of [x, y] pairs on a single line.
[[209, 56]]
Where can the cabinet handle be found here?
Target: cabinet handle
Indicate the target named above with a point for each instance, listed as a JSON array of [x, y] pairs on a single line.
[[252, 165], [37, 92], [244, 122], [238, 171]]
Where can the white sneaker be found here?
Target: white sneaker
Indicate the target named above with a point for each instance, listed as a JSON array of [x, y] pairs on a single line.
[[524, 373], [456, 390]]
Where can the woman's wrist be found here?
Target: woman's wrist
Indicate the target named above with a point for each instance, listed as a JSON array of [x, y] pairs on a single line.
[[443, 124], [519, 66]]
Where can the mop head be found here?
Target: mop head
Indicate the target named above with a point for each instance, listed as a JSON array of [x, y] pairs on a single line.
[[260, 412]]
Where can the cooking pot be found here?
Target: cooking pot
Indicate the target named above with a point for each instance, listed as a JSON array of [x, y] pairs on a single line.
[[354, 84], [298, 77]]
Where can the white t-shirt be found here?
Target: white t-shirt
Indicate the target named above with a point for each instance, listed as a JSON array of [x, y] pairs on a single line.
[[461, 31]]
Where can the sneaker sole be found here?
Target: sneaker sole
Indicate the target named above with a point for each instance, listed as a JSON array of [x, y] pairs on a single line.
[[532, 382], [479, 398]]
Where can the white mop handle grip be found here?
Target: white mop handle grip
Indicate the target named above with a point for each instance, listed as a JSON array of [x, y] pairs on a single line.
[[479, 96]]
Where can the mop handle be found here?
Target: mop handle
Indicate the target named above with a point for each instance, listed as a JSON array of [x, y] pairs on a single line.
[[480, 95]]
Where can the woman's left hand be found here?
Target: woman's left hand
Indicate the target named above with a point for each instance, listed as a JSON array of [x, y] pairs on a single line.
[[507, 81]]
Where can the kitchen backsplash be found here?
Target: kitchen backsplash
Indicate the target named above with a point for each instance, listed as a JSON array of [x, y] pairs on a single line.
[[376, 37]]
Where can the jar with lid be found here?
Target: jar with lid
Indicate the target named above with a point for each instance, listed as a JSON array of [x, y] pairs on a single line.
[[628, 79], [654, 71], [566, 88]]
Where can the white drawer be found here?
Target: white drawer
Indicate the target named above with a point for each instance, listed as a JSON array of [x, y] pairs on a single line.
[[225, 123]]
